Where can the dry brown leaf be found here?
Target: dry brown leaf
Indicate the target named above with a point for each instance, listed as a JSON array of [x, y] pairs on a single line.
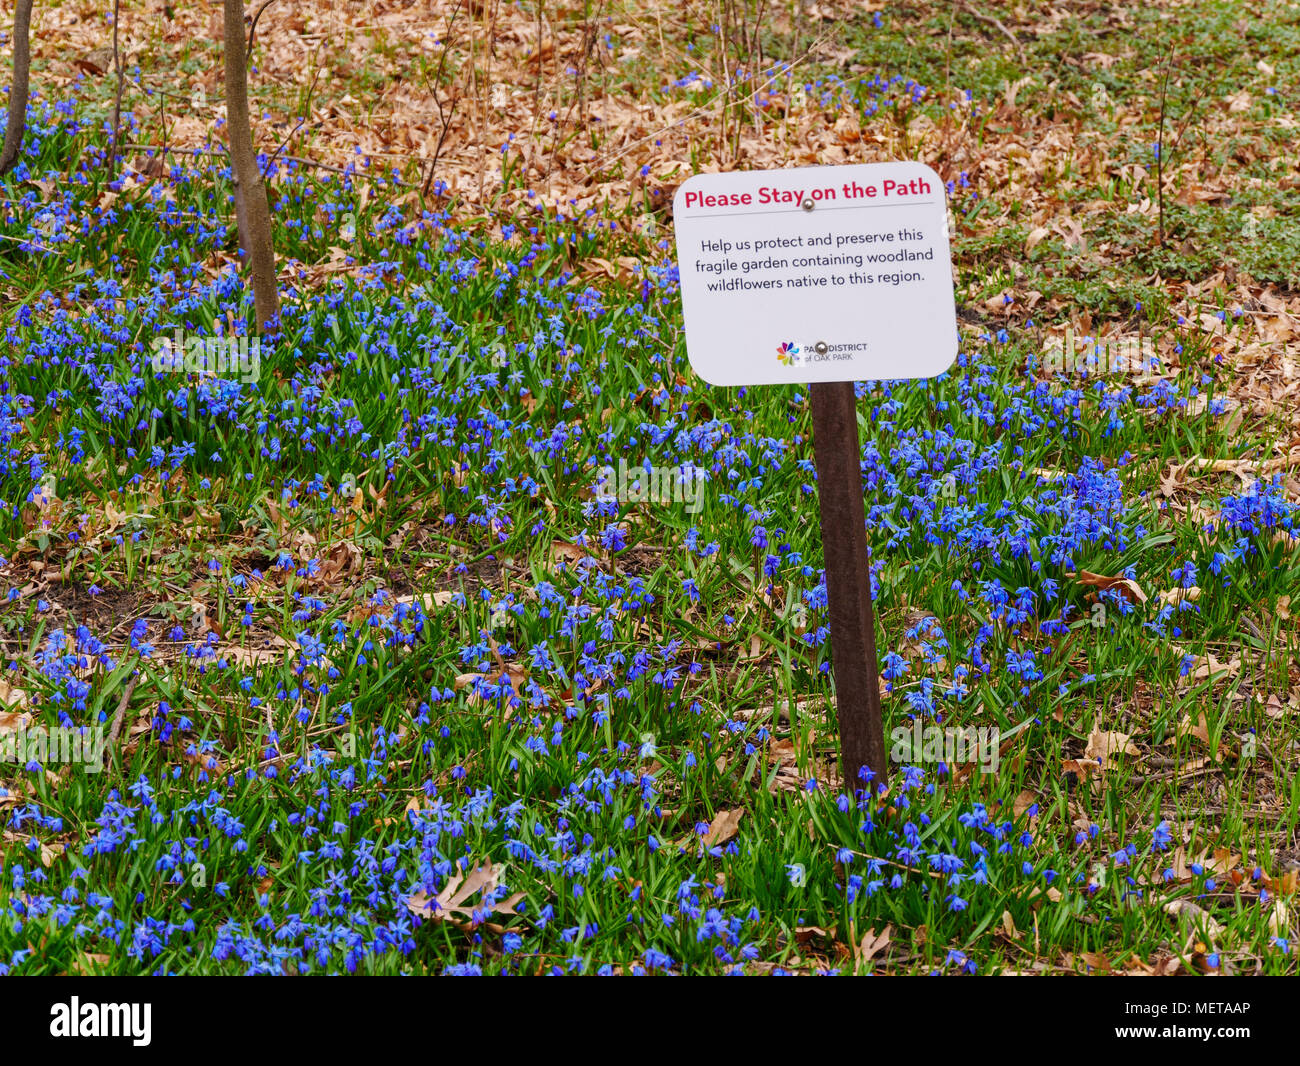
[[252, 656], [89, 962], [1082, 768], [13, 720], [1128, 586], [1023, 802], [1172, 479], [1095, 961], [872, 944], [1195, 918], [570, 553], [1103, 745], [49, 852], [1173, 597], [12, 698], [1279, 919], [1036, 235], [1203, 666], [1287, 884], [1223, 861], [515, 674], [428, 601], [456, 897], [1200, 730], [724, 826]]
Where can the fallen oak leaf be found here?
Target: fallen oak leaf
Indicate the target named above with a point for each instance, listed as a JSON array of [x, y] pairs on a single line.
[[1223, 860], [1081, 768], [1038, 894], [12, 721], [48, 852], [456, 893], [1102, 582], [1167, 967], [1102, 744], [805, 934], [1172, 479], [87, 67], [873, 944]]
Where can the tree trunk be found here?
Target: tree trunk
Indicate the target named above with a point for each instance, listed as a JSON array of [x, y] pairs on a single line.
[[18, 91], [117, 99], [252, 211]]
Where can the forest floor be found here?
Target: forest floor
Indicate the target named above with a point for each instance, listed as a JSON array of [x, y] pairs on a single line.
[[383, 680]]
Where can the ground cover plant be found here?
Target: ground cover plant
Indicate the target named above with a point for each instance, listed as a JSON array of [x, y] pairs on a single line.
[[391, 679]]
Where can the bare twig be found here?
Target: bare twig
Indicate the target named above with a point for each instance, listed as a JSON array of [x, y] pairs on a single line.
[[120, 714], [301, 160], [25, 242], [708, 105], [162, 111], [444, 118], [252, 29], [306, 111], [997, 24]]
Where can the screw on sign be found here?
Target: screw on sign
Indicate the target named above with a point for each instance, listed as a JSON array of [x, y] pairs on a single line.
[[824, 276]]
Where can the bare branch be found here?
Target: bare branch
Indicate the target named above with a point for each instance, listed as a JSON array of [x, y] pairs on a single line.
[[248, 51]]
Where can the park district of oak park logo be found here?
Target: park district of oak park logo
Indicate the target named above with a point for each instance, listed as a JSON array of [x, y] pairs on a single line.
[[788, 354], [77, 1019]]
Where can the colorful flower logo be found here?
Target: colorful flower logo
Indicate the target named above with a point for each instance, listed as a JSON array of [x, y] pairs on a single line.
[[786, 354]]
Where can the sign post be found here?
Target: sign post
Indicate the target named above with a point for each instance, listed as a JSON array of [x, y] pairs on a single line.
[[824, 276], [848, 579]]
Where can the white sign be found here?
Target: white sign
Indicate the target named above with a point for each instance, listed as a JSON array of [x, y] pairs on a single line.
[[816, 274]]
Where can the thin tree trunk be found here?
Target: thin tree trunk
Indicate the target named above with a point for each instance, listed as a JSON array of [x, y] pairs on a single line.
[[18, 91], [252, 211], [117, 99]]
